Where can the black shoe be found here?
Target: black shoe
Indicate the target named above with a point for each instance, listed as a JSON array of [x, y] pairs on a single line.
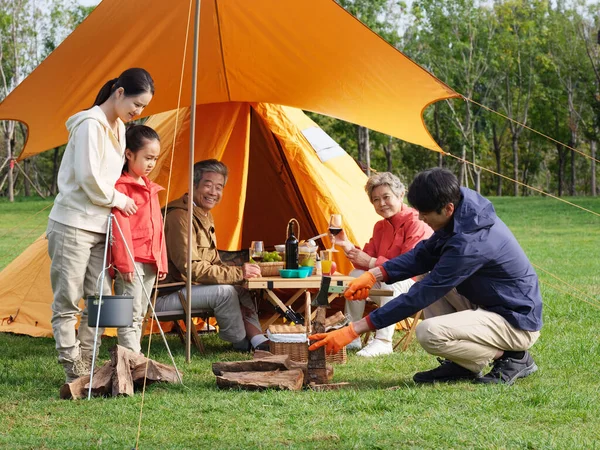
[[242, 346], [508, 370], [447, 372], [263, 346]]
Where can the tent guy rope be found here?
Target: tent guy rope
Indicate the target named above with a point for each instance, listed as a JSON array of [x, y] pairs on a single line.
[[175, 134]]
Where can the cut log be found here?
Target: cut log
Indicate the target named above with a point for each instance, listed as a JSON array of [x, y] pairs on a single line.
[[284, 380], [260, 354], [156, 372], [75, 389], [338, 317], [102, 382], [79, 388], [266, 364], [122, 383]]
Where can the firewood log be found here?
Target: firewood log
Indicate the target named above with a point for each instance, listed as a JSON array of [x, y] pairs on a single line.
[[278, 379]]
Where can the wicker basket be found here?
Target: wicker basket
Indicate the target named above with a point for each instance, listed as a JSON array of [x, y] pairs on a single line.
[[298, 351], [270, 269]]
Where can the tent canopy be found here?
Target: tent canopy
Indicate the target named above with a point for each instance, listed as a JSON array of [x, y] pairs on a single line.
[[281, 166], [309, 54]]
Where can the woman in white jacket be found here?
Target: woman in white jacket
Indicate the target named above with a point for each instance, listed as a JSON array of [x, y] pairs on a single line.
[[76, 233]]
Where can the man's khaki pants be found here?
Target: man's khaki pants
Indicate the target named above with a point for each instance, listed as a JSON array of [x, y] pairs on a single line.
[[77, 257], [140, 290], [471, 337]]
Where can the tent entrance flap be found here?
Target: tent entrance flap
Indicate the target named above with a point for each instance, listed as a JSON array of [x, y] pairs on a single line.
[[272, 197]]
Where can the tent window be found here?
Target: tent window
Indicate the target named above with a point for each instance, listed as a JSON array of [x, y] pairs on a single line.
[[322, 143]]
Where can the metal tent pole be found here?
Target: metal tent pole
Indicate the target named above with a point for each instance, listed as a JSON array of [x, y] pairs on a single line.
[[188, 326]]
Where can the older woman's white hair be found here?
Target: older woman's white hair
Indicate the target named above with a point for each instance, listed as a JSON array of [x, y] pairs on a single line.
[[385, 179]]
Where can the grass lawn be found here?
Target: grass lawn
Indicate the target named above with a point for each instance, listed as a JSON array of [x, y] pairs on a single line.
[[558, 407]]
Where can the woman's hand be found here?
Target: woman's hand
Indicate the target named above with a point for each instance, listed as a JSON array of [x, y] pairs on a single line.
[[342, 241], [162, 276], [360, 258], [129, 209]]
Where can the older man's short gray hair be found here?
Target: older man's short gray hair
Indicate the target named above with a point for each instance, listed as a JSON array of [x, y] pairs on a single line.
[[209, 165], [385, 179]]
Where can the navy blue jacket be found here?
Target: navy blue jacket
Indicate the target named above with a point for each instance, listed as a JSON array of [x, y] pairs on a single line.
[[478, 255]]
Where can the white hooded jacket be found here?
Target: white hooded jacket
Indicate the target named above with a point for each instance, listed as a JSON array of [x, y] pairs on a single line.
[[90, 167]]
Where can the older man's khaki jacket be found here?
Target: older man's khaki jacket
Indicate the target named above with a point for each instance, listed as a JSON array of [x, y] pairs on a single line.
[[207, 267]]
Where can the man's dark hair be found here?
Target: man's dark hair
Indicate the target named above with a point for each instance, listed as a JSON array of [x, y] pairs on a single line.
[[433, 189]]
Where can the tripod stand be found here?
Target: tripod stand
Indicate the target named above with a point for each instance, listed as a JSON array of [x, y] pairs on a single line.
[[101, 278]]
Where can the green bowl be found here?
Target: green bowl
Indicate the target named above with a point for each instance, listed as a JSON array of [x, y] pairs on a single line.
[[301, 272]]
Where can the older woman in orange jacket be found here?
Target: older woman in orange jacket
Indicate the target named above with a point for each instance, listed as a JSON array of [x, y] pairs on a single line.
[[398, 232]]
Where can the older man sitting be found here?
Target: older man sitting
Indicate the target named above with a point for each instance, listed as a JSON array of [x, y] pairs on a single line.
[[218, 285]]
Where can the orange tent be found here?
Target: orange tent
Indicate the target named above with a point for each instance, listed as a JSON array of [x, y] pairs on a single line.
[[253, 56], [309, 54]]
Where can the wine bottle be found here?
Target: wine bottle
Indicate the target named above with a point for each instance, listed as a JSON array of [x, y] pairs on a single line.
[[291, 248]]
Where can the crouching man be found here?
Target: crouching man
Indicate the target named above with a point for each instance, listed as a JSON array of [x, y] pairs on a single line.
[[218, 285], [480, 297]]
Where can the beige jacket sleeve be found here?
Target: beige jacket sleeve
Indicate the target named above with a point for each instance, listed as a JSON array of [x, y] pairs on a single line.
[[207, 268], [89, 160]]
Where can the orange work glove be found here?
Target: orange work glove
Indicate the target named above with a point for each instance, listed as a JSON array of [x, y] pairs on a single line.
[[359, 288], [333, 341]]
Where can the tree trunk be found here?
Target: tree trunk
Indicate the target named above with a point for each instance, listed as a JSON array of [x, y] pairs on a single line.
[[572, 144], [515, 149], [364, 152], [387, 149], [9, 155], [462, 173], [593, 152], [26, 187], [497, 153], [438, 138], [55, 165]]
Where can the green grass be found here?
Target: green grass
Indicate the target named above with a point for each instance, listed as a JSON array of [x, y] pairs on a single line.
[[556, 408], [21, 223]]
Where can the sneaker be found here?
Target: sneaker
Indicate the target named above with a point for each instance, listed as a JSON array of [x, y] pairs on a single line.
[[356, 344], [508, 370], [376, 347], [448, 371], [76, 369]]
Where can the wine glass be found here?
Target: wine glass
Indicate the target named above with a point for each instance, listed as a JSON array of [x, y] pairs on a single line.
[[256, 250], [335, 226]]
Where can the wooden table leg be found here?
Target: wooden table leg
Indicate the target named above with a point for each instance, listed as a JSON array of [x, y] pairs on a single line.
[[276, 301], [408, 336]]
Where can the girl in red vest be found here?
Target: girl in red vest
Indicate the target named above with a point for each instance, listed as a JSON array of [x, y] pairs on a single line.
[[143, 231]]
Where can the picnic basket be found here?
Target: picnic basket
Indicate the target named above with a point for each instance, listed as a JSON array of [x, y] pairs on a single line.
[[298, 351], [270, 269]]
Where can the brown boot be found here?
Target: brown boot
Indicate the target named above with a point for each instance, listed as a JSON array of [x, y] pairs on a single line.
[[76, 369]]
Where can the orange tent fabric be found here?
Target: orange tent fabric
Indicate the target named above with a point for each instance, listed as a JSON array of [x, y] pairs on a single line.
[[309, 54], [281, 164]]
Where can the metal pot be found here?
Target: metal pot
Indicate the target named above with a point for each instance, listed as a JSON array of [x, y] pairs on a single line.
[[116, 311]]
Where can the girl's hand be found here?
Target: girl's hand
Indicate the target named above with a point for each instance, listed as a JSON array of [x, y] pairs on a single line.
[[162, 276], [130, 208], [128, 277]]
